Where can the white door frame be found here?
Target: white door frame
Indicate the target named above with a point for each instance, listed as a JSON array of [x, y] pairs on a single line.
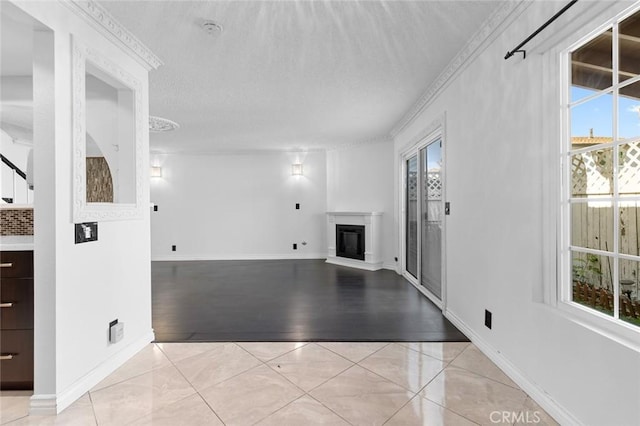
[[430, 135]]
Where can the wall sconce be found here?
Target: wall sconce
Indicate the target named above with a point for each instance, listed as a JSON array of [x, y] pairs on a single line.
[[156, 171], [296, 169]]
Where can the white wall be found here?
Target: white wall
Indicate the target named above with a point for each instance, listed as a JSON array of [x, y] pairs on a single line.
[[360, 178], [79, 288], [497, 156], [238, 206]]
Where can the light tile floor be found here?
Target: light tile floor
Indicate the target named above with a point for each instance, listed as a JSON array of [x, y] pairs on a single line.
[[295, 384]]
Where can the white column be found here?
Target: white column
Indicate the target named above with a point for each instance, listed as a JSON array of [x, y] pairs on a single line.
[[44, 138]]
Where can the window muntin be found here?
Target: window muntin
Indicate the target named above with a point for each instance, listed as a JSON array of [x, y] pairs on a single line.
[[603, 161]]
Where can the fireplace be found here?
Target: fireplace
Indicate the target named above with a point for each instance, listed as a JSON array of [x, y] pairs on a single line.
[[355, 239], [350, 241]]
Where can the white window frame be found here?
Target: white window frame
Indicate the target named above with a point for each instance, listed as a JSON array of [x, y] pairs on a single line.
[[609, 326]]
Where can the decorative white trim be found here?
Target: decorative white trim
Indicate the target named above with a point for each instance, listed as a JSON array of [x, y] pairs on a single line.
[[558, 412], [83, 212], [54, 404], [187, 257], [476, 44], [429, 132], [98, 17]]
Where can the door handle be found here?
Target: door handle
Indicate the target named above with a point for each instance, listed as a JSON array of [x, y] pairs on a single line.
[[6, 265], [6, 305], [6, 357]]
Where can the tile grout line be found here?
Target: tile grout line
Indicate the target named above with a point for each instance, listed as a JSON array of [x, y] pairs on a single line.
[[329, 408], [222, 381], [17, 418], [132, 377], [449, 364], [93, 409], [323, 382], [355, 362], [197, 392], [402, 386], [452, 410], [277, 356], [307, 393], [416, 394]]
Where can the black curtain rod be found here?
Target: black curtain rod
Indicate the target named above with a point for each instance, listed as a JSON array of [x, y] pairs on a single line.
[[518, 49]]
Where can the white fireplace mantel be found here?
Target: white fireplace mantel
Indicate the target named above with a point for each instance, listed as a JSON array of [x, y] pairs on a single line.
[[372, 222]]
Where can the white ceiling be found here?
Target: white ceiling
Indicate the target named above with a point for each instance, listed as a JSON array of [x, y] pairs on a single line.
[[293, 74]]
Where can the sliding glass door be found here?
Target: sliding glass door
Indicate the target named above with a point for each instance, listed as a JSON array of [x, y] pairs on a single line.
[[411, 219], [431, 223], [424, 210]]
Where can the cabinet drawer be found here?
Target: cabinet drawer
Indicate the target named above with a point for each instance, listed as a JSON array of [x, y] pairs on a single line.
[[16, 304], [16, 264], [16, 359]]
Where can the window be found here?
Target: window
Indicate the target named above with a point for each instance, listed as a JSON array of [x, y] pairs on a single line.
[[601, 262]]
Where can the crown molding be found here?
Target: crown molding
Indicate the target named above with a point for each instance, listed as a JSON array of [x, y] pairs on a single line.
[[476, 44], [100, 19]]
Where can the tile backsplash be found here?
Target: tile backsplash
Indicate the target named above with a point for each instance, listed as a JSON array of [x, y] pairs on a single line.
[[16, 222]]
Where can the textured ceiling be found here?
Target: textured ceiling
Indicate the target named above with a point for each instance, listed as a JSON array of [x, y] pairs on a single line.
[[293, 74]]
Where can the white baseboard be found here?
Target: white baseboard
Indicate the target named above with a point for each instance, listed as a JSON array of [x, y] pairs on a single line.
[[42, 405], [555, 410], [342, 261], [389, 265], [186, 257], [54, 404]]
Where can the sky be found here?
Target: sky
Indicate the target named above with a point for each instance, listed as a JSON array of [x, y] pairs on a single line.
[[598, 113]]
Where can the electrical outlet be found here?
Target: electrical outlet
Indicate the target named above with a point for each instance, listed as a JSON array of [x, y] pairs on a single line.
[[116, 331], [295, 246], [395, 258], [487, 319], [297, 206], [155, 208], [173, 248]]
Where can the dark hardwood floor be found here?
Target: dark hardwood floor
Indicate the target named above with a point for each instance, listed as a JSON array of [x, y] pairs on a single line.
[[289, 300]]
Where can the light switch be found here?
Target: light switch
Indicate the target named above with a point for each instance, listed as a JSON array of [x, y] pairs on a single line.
[[85, 232]]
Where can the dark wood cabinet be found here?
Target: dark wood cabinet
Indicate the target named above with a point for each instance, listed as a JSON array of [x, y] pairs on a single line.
[[16, 320]]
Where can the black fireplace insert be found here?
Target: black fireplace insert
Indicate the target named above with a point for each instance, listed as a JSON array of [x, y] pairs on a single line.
[[350, 241]]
